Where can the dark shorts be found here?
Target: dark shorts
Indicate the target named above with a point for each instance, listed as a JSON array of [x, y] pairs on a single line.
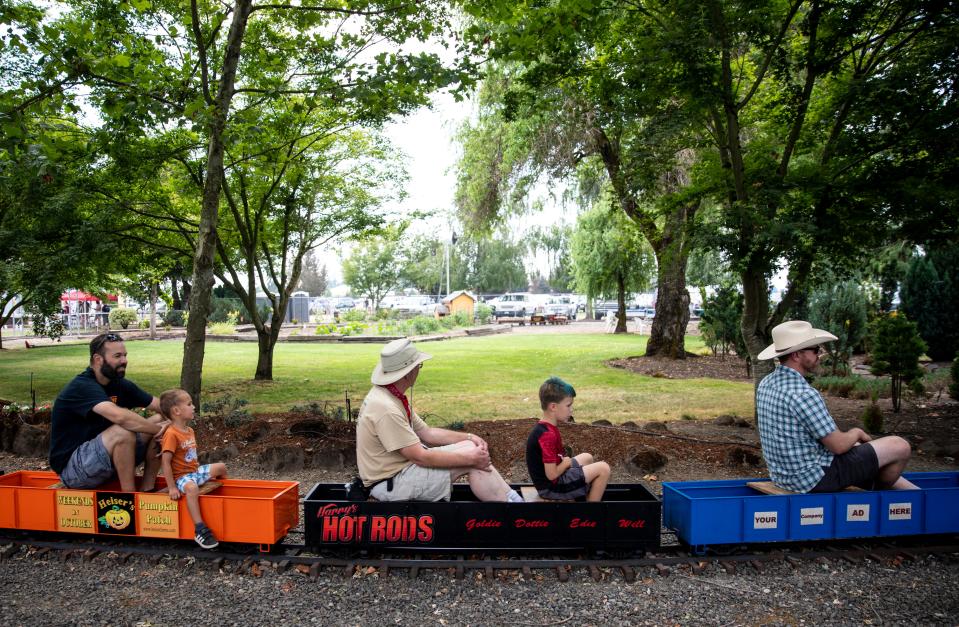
[[90, 465], [859, 467], [570, 485]]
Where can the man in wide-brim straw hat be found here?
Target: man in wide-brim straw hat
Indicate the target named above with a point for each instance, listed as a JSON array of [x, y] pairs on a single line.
[[804, 450], [394, 460]]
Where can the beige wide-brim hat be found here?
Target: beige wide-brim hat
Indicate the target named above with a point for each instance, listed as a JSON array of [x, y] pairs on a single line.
[[396, 359], [790, 337]]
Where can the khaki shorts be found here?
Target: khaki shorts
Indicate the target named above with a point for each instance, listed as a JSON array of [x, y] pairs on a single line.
[[416, 483]]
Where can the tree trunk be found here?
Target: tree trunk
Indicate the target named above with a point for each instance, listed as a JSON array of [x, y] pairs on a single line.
[[621, 299], [668, 334], [153, 311], [755, 322], [201, 296], [266, 342]]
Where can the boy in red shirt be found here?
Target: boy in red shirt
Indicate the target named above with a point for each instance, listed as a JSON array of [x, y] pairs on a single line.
[[181, 468], [557, 477]]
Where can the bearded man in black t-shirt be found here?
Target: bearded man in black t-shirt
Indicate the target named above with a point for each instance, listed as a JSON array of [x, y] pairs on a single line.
[[94, 436]]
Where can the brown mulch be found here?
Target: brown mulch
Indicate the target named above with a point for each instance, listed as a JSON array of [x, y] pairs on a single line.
[[727, 367]]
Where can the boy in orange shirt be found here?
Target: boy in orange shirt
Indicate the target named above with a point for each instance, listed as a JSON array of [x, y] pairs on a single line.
[[182, 470]]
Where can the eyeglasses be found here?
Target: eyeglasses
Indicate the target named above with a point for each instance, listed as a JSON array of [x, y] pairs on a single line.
[[814, 349]]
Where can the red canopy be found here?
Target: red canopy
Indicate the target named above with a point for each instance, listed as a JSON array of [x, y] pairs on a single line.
[[78, 295]]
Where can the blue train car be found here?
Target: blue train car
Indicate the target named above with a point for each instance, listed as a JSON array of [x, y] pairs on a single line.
[[709, 513], [627, 519]]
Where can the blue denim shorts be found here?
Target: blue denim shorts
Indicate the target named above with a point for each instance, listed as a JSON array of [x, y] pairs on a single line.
[[201, 476], [90, 465]]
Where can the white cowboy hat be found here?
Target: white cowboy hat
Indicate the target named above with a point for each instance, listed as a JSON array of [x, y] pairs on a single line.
[[396, 359], [790, 337]]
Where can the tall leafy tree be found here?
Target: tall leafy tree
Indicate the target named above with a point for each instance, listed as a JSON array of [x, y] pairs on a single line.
[[152, 66], [373, 268], [313, 278], [610, 258]]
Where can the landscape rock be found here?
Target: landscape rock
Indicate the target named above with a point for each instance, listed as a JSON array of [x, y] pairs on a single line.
[[629, 424], [218, 454], [725, 420], [645, 460], [332, 458], [602, 423], [654, 425], [255, 431], [31, 441], [282, 459]]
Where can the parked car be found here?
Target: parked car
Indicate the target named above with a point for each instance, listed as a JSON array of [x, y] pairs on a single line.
[[415, 305], [560, 306], [513, 305]]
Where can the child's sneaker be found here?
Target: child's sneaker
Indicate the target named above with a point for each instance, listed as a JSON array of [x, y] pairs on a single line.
[[205, 538]]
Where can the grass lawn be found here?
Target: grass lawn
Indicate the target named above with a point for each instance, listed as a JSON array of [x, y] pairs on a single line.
[[468, 379]]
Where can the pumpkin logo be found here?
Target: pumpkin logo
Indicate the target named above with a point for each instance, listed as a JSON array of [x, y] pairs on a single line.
[[116, 518], [115, 514]]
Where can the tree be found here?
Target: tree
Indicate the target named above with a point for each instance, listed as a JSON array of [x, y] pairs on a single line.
[[821, 129], [197, 71], [720, 321], [840, 309], [553, 241], [494, 264], [313, 280], [610, 258], [50, 238], [578, 119], [896, 351], [930, 297], [373, 268]]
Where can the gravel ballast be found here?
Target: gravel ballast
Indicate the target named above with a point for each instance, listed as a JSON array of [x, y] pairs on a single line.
[[46, 591]]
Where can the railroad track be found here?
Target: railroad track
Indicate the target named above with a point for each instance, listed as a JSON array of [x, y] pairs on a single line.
[[246, 559]]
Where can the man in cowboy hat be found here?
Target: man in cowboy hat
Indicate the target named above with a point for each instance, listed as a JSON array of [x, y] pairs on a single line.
[[391, 441], [804, 450]]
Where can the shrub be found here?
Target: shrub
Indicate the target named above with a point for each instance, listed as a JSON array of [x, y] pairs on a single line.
[[483, 313], [872, 418], [230, 409], [461, 319], [222, 328], [174, 318], [852, 386], [326, 329], [353, 315], [121, 317], [896, 347], [423, 325], [456, 425], [144, 324]]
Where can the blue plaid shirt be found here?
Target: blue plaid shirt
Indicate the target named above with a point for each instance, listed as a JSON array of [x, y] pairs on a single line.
[[792, 419]]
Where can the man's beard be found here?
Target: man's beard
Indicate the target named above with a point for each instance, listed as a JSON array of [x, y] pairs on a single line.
[[112, 373]]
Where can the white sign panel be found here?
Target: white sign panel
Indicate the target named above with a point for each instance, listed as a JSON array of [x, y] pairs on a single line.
[[812, 516], [765, 520], [857, 513], [900, 511]]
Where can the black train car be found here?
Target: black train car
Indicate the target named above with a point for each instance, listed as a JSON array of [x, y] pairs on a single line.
[[627, 520]]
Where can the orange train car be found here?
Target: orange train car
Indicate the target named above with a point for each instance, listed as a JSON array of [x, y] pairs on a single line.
[[239, 510]]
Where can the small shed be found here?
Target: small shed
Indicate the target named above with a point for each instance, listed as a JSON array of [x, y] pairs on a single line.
[[460, 300]]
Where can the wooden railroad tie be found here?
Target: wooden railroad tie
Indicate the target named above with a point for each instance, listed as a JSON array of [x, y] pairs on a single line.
[[768, 487]]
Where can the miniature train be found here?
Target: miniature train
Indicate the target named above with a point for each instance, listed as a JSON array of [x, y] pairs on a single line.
[[703, 514]]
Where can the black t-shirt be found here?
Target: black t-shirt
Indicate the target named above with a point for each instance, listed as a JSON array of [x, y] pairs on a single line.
[[73, 420], [534, 457]]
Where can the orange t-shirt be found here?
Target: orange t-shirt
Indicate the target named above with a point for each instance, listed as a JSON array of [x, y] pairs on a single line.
[[183, 446]]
